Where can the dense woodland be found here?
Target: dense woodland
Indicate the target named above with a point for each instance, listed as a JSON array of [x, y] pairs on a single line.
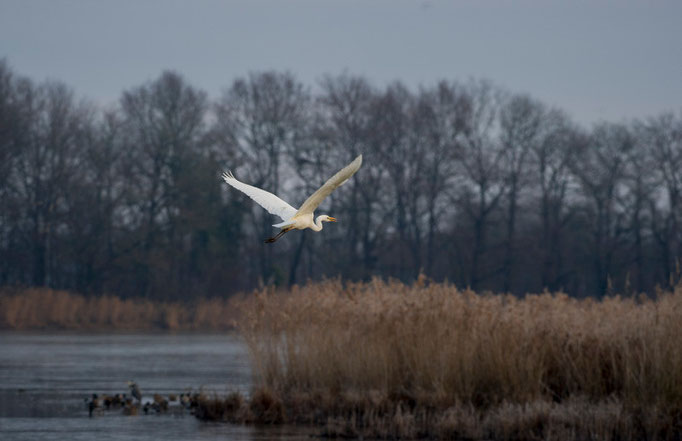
[[463, 181]]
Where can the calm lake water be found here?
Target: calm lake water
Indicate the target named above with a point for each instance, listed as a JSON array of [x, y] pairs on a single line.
[[45, 379]]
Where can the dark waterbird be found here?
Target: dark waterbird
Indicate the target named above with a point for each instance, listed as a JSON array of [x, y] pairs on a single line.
[[93, 403], [135, 391]]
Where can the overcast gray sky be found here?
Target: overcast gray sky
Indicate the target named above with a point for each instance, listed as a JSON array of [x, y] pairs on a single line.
[[598, 60]]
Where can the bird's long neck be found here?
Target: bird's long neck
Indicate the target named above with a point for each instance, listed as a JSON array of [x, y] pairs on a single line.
[[317, 226]]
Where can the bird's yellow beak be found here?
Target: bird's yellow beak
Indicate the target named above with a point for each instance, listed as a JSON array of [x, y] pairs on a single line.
[[331, 219]]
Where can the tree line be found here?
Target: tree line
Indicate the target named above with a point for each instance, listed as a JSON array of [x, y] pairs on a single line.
[[461, 181]]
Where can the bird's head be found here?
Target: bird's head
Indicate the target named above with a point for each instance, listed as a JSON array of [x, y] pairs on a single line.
[[326, 218]]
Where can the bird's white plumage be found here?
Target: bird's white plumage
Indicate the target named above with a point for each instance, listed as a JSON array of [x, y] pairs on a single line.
[[303, 217], [332, 184], [265, 199]]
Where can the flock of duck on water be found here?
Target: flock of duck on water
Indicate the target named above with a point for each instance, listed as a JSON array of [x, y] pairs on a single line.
[[134, 404]]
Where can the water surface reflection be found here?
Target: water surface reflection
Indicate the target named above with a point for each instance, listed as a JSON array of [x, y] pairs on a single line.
[[44, 379]]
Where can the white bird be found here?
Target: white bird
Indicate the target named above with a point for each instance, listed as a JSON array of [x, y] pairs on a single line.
[[303, 217]]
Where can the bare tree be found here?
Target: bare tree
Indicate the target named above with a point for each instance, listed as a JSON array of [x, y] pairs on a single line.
[[9, 118], [95, 203], [479, 159], [165, 124], [438, 122], [13, 127], [600, 170], [346, 108], [521, 121], [640, 194], [402, 156], [49, 159], [663, 136], [552, 160]]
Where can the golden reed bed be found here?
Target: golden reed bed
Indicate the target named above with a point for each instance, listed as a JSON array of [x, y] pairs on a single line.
[[41, 309], [388, 360]]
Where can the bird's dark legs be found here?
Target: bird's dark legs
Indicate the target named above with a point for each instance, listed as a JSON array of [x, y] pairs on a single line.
[[280, 234]]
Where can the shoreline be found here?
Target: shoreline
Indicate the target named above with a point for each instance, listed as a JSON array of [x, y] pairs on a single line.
[[576, 419], [117, 331]]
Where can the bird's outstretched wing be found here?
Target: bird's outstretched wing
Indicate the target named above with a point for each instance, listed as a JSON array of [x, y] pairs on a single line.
[[265, 199], [334, 182]]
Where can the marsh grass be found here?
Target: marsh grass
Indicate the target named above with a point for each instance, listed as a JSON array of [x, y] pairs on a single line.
[[37, 308], [390, 360]]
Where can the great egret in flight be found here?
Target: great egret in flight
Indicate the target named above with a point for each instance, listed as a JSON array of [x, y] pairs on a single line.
[[303, 217]]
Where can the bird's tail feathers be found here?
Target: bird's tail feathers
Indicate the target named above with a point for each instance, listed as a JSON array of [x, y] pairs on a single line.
[[284, 224]]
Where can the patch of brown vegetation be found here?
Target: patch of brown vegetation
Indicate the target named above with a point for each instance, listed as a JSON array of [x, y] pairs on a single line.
[[38, 308], [388, 360]]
